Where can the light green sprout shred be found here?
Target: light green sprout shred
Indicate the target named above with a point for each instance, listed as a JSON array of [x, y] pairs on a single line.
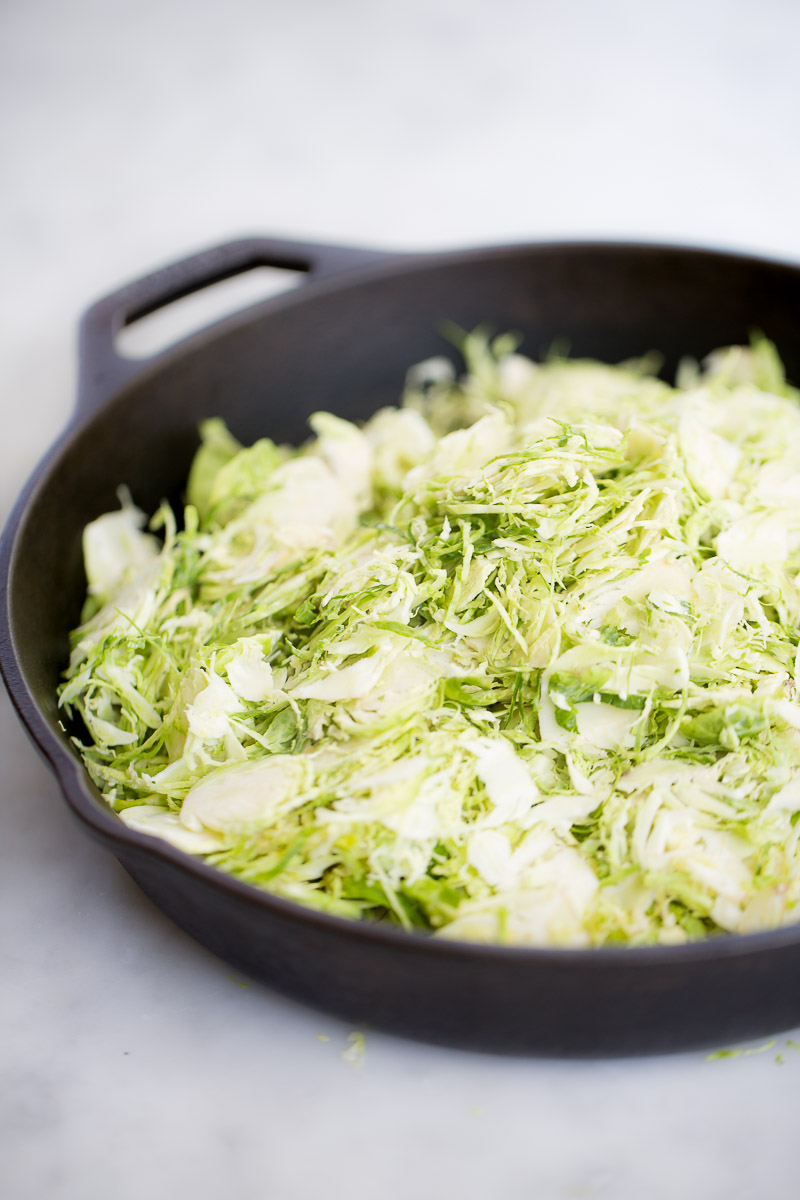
[[514, 661]]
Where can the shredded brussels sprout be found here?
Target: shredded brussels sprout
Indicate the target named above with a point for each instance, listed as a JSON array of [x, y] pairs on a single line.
[[516, 661]]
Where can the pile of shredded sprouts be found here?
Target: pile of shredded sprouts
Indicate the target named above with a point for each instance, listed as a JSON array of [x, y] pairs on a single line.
[[514, 661]]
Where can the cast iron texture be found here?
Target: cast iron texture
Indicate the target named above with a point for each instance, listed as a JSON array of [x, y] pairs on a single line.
[[343, 342]]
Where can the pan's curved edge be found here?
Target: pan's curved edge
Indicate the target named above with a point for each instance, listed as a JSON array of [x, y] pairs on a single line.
[[133, 849]]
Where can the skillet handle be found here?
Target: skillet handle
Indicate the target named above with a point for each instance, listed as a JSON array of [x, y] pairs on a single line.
[[101, 370]]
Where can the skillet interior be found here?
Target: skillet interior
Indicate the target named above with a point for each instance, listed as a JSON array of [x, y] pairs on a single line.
[[344, 345]]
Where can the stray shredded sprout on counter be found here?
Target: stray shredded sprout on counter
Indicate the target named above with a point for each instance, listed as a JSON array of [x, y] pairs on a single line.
[[514, 662]]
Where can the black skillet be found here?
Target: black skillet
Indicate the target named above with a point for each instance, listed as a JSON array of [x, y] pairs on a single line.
[[343, 342]]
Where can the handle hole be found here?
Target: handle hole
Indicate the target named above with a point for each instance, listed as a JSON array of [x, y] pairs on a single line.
[[159, 330]]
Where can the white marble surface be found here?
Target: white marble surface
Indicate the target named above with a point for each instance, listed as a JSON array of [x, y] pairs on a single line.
[[131, 1062]]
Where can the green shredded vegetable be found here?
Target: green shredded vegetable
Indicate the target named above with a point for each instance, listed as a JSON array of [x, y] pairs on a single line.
[[515, 661]]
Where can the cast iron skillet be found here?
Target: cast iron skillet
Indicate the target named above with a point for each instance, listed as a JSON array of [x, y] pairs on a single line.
[[343, 342]]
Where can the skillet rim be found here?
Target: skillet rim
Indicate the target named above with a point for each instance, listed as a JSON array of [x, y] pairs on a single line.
[[85, 801]]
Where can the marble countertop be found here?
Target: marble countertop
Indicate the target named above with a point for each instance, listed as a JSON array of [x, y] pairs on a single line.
[[131, 1061]]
